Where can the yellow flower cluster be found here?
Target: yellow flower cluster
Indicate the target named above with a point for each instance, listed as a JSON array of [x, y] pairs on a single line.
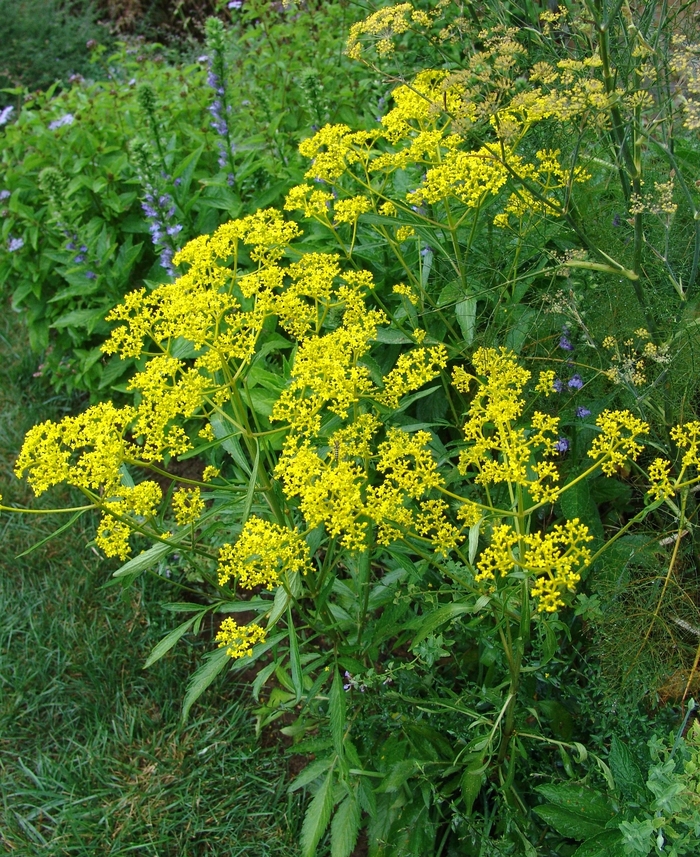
[[381, 26], [240, 639], [187, 505], [496, 448], [617, 441], [261, 554], [554, 559], [88, 452], [413, 369]]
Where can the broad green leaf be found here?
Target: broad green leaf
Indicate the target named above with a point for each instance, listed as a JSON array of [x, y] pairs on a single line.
[[578, 503], [579, 799], [560, 720], [317, 816], [391, 336], [625, 770], [279, 605], [345, 827], [185, 169], [169, 641], [568, 823], [609, 843], [336, 712], [203, 677], [465, 312]]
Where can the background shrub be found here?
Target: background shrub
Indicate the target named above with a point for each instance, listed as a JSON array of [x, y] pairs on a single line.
[[44, 41]]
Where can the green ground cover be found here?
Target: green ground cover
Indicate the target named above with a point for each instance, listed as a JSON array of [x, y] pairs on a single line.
[[93, 756]]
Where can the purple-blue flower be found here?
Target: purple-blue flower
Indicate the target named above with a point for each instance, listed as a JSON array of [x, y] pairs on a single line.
[[562, 445], [575, 383], [67, 119], [15, 244], [565, 343], [557, 385], [4, 194], [235, 4], [5, 114], [582, 412], [91, 275]]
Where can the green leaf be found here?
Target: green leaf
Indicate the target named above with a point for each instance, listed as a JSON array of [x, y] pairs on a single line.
[[609, 843], [560, 720], [145, 560], [345, 827], [568, 823], [169, 641], [185, 169], [465, 312], [397, 776], [317, 816], [310, 773], [336, 711], [439, 617], [391, 336], [625, 769], [470, 784], [203, 677], [578, 503], [261, 678], [81, 318], [294, 660], [52, 535], [579, 799], [252, 485]]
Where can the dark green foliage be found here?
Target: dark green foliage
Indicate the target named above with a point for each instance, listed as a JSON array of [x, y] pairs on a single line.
[[44, 41]]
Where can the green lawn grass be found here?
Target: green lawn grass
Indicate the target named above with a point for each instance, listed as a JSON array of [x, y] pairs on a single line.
[[93, 758]]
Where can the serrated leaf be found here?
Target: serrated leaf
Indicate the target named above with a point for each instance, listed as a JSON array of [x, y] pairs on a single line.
[[144, 560], [317, 816], [568, 823], [439, 617], [609, 843], [579, 799], [169, 641], [279, 605], [310, 773], [470, 784], [397, 776], [336, 712], [345, 827], [203, 677], [625, 770]]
